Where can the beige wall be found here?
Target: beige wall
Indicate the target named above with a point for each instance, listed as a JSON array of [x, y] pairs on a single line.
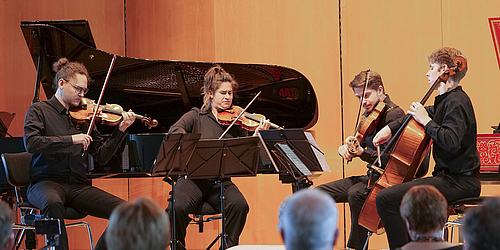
[[389, 36]]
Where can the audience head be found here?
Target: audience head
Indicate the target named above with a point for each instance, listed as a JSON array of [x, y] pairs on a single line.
[[280, 210], [424, 209], [481, 226], [6, 220], [309, 221], [137, 225]]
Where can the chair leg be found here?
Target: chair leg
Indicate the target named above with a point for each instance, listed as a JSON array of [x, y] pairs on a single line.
[[365, 247], [84, 224]]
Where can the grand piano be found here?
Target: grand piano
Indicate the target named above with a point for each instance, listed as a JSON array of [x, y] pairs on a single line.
[[163, 89]]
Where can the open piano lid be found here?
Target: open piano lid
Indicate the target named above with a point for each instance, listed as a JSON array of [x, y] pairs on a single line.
[[165, 89]]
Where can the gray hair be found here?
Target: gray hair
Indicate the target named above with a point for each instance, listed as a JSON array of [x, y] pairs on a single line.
[[141, 225], [481, 226], [309, 221], [6, 219]]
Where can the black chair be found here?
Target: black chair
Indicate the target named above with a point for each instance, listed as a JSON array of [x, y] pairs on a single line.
[[16, 167], [204, 209], [460, 207]]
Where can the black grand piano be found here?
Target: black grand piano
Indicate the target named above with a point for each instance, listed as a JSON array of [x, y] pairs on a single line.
[[164, 89]]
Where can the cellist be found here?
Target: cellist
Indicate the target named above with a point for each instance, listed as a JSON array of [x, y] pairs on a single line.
[[451, 124], [354, 189]]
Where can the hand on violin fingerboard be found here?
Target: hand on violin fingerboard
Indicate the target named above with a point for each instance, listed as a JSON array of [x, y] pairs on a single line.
[[128, 119], [264, 125]]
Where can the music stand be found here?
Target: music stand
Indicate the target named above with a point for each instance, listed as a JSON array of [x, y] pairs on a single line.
[[5, 120], [292, 151], [175, 152], [220, 159]]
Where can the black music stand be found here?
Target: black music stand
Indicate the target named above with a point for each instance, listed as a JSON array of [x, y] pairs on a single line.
[[220, 159], [175, 152], [5, 120], [292, 152]]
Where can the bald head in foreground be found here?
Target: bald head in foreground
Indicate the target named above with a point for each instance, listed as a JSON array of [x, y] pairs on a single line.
[[309, 221]]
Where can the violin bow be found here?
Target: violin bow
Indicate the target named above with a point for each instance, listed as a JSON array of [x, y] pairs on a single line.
[[241, 113], [100, 97], [362, 98], [361, 103]]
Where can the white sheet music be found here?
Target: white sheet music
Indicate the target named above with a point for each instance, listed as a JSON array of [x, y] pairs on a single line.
[[294, 158], [317, 152]]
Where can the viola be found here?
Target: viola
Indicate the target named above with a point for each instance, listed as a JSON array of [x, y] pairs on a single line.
[[366, 126], [246, 120], [109, 114]]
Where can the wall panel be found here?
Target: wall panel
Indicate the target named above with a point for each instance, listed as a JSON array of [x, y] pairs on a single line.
[[174, 30]]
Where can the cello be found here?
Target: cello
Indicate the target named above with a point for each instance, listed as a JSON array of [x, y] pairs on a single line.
[[410, 145]]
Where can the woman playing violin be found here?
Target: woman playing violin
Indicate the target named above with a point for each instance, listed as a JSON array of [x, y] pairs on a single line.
[[451, 124], [218, 91], [353, 189], [58, 168]]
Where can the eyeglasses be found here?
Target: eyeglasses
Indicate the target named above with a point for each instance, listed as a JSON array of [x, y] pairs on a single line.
[[79, 90]]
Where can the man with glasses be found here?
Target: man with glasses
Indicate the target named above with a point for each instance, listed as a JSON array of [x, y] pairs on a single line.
[[58, 167]]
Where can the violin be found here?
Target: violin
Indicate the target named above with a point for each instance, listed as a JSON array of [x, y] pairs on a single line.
[[246, 120], [109, 114]]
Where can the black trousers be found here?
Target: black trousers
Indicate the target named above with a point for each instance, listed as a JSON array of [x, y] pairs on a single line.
[[52, 198], [389, 199], [352, 190], [191, 193]]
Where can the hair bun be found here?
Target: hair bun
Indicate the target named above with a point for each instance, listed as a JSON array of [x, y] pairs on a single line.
[[62, 62]]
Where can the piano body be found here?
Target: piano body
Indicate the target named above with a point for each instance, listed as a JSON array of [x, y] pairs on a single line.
[[163, 89]]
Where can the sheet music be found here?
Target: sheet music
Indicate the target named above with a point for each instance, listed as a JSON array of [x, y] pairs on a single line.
[[294, 158], [319, 155]]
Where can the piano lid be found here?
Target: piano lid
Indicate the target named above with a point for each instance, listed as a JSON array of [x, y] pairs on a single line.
[[166, 89]]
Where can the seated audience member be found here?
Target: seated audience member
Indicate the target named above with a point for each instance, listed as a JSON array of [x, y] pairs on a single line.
[[424, 209], [309, 221], [6, 220], [280, 210], [482, 226], [138, 225]]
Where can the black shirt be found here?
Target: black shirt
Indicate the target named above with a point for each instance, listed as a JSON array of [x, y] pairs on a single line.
[[196, 121], [453, 130], [47, 135]]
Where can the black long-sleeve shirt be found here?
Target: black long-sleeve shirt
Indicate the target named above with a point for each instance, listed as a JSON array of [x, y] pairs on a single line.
[[47, 135], [453, 130]]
